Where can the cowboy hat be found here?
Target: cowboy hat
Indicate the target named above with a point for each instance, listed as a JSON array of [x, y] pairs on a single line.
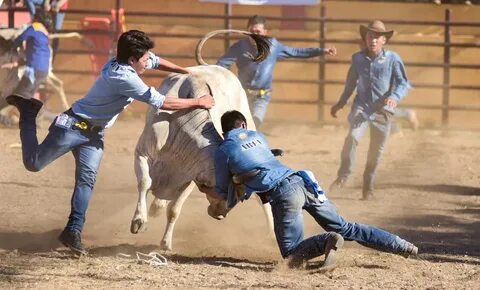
[[376, 26]]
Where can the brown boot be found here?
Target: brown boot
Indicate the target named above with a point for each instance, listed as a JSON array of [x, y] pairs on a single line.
[[334, 243]]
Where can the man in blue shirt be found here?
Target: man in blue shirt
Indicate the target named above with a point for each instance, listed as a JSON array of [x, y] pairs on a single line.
[[81, 128], [256, 78], [37, 55], [381, 82], [246, 153]]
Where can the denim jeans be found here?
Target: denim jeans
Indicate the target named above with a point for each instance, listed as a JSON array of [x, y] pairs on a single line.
[[87, 149], [258, 106], [379, 132], [287, 202]]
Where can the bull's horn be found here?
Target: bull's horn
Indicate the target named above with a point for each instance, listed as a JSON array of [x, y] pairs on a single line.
[[262, 42]]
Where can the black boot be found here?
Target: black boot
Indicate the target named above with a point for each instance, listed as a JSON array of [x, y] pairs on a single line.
[[73, 241], [30, 106]]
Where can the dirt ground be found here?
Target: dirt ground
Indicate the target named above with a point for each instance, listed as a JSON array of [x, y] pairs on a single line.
[[428, 192]]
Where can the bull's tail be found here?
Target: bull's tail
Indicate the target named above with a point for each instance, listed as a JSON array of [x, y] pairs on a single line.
[[262, 42]]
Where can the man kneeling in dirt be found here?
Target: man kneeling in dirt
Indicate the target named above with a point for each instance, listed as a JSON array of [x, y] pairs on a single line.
[[245, 157]]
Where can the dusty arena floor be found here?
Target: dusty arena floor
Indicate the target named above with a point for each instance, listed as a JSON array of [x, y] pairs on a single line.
[[428, 192]]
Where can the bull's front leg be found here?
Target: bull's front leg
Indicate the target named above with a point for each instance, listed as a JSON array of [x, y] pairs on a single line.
[[267, 210], [173, 211], [144, 182]]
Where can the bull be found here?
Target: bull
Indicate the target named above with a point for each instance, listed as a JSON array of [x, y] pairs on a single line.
[[176, 149]]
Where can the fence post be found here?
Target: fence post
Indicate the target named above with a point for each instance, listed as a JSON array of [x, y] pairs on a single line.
[[118, 5], [446, 68], [228, 25], [11, 14], [321, 66]]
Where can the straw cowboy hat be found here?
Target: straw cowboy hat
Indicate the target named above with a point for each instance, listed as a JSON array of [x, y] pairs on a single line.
[[376, 26]]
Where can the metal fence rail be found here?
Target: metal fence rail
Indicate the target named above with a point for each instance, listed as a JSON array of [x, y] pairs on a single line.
[[446, 65]]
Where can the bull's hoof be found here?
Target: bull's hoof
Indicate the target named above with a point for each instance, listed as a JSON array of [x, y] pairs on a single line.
[[138, 226], [164, 246]]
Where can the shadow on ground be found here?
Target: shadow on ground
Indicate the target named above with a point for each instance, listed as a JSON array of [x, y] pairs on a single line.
[[30, 242], [440, 188], [129, 251]]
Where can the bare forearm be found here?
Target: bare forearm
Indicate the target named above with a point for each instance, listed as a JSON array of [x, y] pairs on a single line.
[[173, 103], [166, 65]]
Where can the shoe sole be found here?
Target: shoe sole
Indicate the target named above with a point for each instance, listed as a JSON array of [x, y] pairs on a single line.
[[411, 254], [76, 251], [13, 100], [331, 248]]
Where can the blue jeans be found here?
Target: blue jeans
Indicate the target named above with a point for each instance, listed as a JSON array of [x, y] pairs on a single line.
[[258, 106], [379, 132], [87, 149], [31, 5], [288, 200]]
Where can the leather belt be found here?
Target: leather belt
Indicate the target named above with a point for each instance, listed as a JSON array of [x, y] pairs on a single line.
[[258, 92], [82, 123]]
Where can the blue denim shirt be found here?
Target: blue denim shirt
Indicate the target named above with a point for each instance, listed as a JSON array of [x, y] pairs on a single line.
[[243, 151], [257, 76], [375, 80], [116, 88]]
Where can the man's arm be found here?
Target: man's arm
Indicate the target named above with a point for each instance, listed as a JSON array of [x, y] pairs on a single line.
[[174, 103], [134, 87], [166, 65], [292, 52], [400, 82], [350, 85], [156, 62], [22, 37], [230, 57]]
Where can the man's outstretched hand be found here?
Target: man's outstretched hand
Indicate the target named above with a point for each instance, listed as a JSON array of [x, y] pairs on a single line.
[[332, 51]]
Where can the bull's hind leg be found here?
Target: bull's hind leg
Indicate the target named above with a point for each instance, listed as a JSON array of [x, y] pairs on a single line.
[[144, 182], [173, 211], [156, 207]]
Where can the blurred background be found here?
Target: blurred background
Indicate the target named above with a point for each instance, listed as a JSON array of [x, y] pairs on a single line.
[[439, 42]]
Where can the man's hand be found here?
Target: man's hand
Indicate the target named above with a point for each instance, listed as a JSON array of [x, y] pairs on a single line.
[[185, 71], [9, 65], [206, 101], [335, 108], [391, 102], [332, 51]]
